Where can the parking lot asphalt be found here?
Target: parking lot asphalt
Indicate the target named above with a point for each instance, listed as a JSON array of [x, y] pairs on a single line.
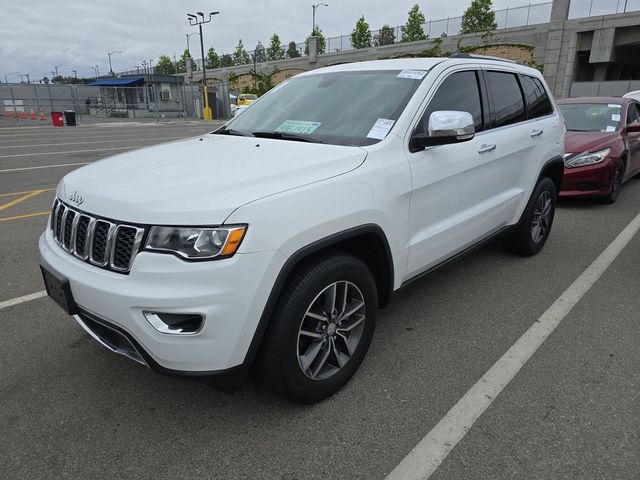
[[72, 410]]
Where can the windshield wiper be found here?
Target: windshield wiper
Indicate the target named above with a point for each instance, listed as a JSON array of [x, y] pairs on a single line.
[[578, 130], [285, 136], [230, 131]]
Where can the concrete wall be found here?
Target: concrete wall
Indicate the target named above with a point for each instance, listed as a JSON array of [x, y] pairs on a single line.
[[549, 46]]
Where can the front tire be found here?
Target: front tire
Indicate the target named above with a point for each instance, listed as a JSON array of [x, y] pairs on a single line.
[[531, 233], [616, 184], [321, 328]]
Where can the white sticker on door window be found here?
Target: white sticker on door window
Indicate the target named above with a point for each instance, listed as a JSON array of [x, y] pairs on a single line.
[[380, 128], [615, 117], [614, 105], [412, 74], [611, 128]]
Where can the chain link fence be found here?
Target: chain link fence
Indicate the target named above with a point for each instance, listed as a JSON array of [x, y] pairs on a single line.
[[33, 103]]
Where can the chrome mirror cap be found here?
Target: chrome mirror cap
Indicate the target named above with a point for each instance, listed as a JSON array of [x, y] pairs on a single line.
[[451, 123]]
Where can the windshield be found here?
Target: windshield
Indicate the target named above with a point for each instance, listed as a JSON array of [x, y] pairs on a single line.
[[591, 117], [340, 108]]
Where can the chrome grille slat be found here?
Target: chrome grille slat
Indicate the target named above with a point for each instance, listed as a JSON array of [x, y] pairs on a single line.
[[98, 241]]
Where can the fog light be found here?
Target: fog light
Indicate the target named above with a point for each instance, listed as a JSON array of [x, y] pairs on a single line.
[[175, 323]]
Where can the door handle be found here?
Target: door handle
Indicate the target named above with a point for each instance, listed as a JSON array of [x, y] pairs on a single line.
[[537, 132], [487, 148]]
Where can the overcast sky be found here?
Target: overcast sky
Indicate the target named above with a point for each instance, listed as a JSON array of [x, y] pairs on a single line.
[[38, 34]]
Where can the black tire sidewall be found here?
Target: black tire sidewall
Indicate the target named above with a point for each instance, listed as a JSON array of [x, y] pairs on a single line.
[[298, 386]]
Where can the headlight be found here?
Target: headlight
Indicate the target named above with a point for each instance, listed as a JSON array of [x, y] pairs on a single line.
[[196, 243], [586, 158]]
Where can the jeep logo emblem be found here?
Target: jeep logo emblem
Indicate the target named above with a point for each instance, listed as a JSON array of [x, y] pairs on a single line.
[[77, 199]]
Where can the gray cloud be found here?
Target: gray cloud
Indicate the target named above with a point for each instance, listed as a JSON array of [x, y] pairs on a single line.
[[38, 34]]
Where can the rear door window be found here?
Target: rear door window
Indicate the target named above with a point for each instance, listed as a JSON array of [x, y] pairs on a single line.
[[632, 114], [538, 103], [508, 103]]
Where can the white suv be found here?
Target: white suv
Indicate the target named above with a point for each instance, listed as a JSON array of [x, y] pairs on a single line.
[[272, 241]]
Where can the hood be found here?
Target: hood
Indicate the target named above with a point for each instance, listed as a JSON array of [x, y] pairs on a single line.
[[200, 181], [578, 142]]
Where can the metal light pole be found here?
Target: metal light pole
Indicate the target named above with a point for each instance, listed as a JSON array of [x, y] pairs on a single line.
[[9, 74], [189, 36], [193, 21], [109, 55], [55, 68], [313, 30], [75, 73]]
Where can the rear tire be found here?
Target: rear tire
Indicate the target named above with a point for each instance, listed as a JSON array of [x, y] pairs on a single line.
[[531, 233], [321, 328]]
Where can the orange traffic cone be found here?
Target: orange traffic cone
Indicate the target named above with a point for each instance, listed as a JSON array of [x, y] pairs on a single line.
[[42, 117], [24, 115], [32, 115]]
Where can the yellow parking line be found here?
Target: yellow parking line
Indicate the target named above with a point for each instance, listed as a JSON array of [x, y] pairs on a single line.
[[27, 215], [24, 193], [18, 200]]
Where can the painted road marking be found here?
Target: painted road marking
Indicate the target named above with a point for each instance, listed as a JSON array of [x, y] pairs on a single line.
[[13, 194], [26, 215], [23, 299], [34, 145], [432, 450], [21, 199], [128, 147], [92, 135], [43, 166]]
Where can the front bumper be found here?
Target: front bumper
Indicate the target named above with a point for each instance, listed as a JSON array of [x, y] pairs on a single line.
[[230, 294], [589, 181]]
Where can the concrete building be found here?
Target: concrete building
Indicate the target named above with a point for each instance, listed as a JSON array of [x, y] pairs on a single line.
[[586, 54]]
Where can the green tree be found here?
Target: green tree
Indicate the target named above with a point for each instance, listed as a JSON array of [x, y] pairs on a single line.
[[275, 50], [45, 79], [164, 66], [386, 36], [412, 31], [361, 35], [260, 53], [213, 61], [182, 62], [479, 17], [226, 60], [292, 50], [322, 45], [240, 55]]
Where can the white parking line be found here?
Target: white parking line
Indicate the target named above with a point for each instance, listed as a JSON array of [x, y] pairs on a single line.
[[23, 299], [42, 166], [144, 139], [128, 147], [432, 450]]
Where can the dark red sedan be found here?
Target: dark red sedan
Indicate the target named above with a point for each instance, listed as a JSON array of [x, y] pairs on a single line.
[[602, 145]]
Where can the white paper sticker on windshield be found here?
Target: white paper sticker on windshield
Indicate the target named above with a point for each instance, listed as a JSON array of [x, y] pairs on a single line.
[[611, 128], [615, 117], [298, 126], [380, 128], [413, 74], [614, 105]]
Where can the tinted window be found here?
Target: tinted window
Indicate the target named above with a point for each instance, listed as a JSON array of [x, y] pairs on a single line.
[[460, 92], [538, 103], [507, 98], [632, 114]]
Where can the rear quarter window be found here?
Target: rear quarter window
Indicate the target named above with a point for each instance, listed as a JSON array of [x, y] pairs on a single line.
[[538, 102]]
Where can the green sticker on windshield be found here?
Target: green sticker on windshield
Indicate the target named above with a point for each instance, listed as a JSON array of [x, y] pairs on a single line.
[[298, 126]]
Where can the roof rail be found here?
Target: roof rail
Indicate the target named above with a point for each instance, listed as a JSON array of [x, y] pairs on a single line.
[[481, 57]]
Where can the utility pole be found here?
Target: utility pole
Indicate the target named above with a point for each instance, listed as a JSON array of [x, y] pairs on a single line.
[[55, 67], [109, 55], [193, 21]]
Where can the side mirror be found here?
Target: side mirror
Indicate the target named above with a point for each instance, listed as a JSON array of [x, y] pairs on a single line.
[[445, 126], [633, 127]]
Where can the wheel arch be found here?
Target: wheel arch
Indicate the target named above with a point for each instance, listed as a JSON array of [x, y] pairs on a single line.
[[553, 169], [366, 242]]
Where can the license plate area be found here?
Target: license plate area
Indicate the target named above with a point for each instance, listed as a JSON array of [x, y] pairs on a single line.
[[59, 289]]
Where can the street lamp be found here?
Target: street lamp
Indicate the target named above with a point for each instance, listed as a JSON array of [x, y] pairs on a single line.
[[193, 21], [109, 55], [8, 75], [313, 31], [55, 68], [189, 36]]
